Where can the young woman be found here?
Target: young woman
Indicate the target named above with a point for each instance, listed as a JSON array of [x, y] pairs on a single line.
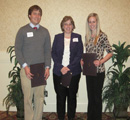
[[96, 42]]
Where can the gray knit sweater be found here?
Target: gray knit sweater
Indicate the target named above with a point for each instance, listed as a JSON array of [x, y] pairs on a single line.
[[33, 46]]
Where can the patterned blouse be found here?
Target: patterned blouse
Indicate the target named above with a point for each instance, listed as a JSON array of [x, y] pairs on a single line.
[[101, 45]]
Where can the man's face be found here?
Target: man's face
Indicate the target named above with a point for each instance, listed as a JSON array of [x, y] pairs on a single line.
[[35, 17]]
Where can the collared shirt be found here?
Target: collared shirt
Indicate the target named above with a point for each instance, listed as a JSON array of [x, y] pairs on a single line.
[[32, 25]]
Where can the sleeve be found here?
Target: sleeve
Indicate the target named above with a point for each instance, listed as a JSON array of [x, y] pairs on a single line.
[[107, 45], [55, 56], [78, 57], [18, 47], [47, 50]]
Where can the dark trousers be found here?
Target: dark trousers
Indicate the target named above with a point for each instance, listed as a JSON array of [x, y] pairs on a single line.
[[69, 93], [94, 90]]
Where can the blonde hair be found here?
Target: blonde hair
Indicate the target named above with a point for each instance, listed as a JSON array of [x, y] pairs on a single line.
[[88, 30]]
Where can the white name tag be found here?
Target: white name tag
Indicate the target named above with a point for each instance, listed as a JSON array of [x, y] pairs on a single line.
[[75, 40], [29, 34]]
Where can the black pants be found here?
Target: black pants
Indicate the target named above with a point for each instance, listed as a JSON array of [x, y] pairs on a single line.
[[69, 93], [94, 90]]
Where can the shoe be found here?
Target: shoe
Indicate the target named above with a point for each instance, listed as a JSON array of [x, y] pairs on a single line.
[[71, 119]]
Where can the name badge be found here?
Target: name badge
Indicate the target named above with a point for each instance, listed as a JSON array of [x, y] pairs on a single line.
[[29, 34], [75, 40]]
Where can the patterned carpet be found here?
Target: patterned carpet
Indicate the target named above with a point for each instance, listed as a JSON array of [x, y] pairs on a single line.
[[53, 116]]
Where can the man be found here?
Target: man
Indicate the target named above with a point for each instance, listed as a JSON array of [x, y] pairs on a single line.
[[32, 46]]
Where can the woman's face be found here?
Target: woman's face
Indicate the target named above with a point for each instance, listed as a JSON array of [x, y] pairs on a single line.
[[68, 27], [92, 23]]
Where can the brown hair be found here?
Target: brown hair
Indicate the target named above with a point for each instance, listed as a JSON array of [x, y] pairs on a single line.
[[32, 8], [66, 18]]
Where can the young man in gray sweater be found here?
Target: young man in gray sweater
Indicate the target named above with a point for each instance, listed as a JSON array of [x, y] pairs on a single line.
[[33, 46]]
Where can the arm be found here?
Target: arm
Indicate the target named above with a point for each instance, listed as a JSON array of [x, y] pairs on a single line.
[[55, 55], [109, 51], [19, 55], [47, 50], [19, 40], [105, 59], [47, 55]]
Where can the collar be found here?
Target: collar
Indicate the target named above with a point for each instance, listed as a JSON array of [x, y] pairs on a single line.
[[32, 25]]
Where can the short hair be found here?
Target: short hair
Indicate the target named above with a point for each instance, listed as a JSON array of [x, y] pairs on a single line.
[[66, 18], [88, 30], [32, 8]]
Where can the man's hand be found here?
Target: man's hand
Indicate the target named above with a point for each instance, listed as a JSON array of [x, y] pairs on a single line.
[[47, 73], [28, 73], [64, 70]]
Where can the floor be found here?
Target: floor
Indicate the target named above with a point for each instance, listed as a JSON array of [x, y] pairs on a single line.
[[53, 116]]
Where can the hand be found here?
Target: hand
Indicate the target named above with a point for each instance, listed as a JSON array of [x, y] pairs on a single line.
[[97, 63], [64, 70], [47, 73], [28, 73], [81, 62]]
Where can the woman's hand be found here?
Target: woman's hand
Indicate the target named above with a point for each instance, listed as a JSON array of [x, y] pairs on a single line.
[[106, 58], [81, 62], [64, 70], [97, 63]]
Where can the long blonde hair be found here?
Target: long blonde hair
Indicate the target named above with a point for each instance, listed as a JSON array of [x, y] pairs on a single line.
[[88, 30]]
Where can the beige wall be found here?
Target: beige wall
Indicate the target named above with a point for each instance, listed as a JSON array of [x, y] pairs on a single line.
[[114, 16]]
